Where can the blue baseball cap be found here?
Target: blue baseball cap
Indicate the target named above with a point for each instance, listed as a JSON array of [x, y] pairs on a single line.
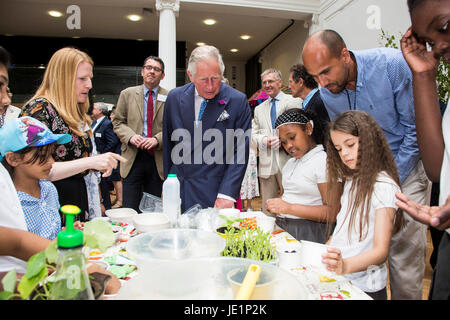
[[19, 133]]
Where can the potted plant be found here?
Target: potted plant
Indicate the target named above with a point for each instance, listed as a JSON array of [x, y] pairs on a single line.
[[34, 283], [249, 243], [229, 225]]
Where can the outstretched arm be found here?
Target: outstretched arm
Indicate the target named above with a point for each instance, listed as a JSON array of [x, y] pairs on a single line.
[[20, 243], [438, 217], [104, 163]]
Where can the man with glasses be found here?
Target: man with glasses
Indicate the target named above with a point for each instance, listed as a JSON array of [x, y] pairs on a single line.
[[271, 160], [138, 124]]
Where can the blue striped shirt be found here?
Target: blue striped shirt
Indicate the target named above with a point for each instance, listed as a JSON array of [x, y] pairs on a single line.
[[383, 90], [42, 215]]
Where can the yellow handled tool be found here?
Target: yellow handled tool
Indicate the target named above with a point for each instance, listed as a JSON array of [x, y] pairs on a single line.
[[249, 283]]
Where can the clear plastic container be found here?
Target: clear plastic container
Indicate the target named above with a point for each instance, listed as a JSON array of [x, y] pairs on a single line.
[[71, 280], [163, 246], [210, 279]]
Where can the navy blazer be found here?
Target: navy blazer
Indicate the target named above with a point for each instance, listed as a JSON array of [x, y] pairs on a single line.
[[316, 105], [200, 179], [105, 138]]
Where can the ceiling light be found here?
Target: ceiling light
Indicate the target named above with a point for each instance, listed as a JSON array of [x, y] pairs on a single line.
[[139, 39], [134, 17], [209, 22], [200, 44], [55, 14], [234, 50], [245, 37]]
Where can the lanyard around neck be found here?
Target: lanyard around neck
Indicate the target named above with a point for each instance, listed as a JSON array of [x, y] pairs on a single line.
[[349, 103]]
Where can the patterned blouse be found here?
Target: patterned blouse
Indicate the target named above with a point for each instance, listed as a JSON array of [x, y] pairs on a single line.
[[44, 111]]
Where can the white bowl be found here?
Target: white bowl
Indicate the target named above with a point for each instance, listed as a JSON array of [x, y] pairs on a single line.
[[145, 222], [265, 223], [290, 256], [124, 215], [311, 254]]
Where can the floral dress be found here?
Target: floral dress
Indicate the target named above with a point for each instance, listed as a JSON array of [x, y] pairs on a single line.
[[250, 187], [42, 110]]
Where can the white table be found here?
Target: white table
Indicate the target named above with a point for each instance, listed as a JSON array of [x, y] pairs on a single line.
[[318, 285]]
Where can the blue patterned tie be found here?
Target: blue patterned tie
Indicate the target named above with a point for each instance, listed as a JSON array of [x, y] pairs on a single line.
[[202, 108], [94, 123], [273, 112]]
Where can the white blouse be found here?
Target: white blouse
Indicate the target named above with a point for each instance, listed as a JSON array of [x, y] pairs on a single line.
[[11, 216], [301, 176], [383, 196]]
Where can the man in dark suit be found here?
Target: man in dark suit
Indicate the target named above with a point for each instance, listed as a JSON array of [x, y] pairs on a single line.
[[105, 141], [206, 134], [303, 85]]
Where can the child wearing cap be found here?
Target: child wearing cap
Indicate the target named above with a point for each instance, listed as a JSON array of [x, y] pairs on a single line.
[[26, 148]]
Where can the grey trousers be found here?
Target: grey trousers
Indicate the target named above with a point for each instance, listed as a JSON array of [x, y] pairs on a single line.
[[408, 247]]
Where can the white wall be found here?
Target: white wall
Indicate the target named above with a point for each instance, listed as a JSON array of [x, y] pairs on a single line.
[[285, 51], [360, 22]]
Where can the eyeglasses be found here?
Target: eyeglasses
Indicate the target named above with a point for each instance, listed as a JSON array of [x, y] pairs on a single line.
[[150, 68]]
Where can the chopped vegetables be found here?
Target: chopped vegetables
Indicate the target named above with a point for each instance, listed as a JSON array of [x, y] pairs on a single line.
[[248, 223]]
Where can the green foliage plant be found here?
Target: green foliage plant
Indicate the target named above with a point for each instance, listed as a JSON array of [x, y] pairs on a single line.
[[250, 244], [96, 234]]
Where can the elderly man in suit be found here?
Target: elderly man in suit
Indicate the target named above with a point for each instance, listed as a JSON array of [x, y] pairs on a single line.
[[105, 141], [206, 133], [138, 124], [271, 158]]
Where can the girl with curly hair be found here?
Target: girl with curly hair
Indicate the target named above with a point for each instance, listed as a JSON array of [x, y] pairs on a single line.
[[362, 181]]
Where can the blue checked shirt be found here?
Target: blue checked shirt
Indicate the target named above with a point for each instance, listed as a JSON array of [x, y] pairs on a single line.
[[42, 215], [384, 90]]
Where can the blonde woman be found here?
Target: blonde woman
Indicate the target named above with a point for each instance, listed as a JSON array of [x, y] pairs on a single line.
[[61, 102]]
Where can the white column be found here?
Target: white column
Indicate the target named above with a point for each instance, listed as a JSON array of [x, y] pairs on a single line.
[[168, 11], [314, 25]]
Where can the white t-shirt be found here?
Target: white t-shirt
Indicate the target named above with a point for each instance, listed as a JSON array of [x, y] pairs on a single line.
[[11, 216], [444, 183], [383, 197], [301, 176]]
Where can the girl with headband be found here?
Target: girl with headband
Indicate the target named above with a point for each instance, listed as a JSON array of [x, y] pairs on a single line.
[[302, 208]]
